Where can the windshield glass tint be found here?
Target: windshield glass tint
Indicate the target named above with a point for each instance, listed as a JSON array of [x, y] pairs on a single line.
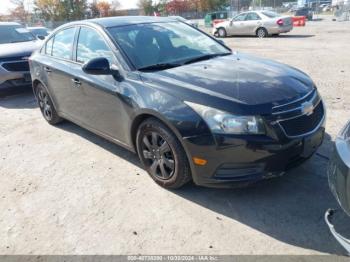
[[14, 34], [163, 43]]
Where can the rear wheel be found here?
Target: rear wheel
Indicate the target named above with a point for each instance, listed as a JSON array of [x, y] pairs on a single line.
[[222, 32], [261, 32], [46, 106], [162, 154]]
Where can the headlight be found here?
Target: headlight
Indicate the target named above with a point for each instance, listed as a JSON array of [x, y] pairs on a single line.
[[225, 123]]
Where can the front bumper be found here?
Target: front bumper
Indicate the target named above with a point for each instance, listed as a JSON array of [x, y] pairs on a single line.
[[10, 79], [239, 161]]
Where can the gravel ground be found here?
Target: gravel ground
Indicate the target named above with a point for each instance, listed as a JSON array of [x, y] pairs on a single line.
[[64, 190]]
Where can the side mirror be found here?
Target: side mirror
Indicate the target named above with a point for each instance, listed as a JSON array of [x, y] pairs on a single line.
[[99, 66], [40, 37]]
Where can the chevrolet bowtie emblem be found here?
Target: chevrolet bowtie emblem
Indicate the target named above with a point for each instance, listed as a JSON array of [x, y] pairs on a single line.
[[307, 108]]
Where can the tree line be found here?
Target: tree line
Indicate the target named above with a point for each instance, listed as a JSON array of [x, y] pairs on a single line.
[[70, 10]]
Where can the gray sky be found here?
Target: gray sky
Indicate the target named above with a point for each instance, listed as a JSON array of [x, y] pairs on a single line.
[[5, 5]]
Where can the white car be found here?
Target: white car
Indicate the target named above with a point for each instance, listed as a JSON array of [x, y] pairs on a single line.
[[259, 23]]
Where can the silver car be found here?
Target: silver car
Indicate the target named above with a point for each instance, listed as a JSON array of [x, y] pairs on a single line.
[[259, 23]]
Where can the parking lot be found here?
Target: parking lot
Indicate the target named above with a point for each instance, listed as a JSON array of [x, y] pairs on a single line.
[[64, 190]]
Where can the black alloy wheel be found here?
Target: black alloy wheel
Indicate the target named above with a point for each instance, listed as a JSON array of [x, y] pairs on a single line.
[[162, 155], [159, 156]]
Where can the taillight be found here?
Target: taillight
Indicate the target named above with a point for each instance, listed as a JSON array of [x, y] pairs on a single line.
[[280, 22]]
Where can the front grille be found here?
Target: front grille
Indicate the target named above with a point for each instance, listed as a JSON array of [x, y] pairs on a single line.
[[16, 66], [303, 124]]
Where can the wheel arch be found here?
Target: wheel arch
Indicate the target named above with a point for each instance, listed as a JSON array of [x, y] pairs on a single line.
[[35, 84], [146, 114]]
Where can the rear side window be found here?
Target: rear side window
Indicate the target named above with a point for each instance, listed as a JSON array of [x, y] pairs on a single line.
[[270, 14], [92, 45], [252, 16], [48, 47], [63, 43]]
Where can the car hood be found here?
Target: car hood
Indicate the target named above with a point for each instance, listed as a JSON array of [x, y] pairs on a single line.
[[19, 49], [239, 78]]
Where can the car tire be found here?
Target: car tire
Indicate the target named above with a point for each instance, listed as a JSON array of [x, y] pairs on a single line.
[[162, 155], [46, 106], [222, 32], [261, 32]]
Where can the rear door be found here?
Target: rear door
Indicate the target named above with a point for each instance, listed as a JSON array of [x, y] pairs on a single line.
[[251, 23], [57, 67], [98, 105]]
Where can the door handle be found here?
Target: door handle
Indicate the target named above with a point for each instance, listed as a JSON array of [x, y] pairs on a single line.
[[76, 82], [47, 69]]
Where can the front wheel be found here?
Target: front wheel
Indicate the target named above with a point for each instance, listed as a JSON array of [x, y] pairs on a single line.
[[222, 32], [162, 154], [261, 32]]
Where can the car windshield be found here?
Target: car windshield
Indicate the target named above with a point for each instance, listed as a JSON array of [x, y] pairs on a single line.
[[270, 14], [14, 34], [160, 46]]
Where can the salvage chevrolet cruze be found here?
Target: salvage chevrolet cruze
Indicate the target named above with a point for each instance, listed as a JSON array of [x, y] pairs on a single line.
[[189, 106]]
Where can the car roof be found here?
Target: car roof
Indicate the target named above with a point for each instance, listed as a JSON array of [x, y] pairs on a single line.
[[127, 20], [8, 23]]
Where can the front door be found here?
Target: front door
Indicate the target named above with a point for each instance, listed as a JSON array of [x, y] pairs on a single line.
[[237, 25]]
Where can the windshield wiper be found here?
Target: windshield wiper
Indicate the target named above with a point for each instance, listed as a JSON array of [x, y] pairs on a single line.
[[204, 57], [160, 66]]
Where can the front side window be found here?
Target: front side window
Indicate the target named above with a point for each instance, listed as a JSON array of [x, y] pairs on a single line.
[[270, 14], [164, 43], [63, 43], [92, 45], [14, 34]]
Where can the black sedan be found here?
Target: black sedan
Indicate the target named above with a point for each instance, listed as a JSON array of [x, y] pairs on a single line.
[[188, 105]]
